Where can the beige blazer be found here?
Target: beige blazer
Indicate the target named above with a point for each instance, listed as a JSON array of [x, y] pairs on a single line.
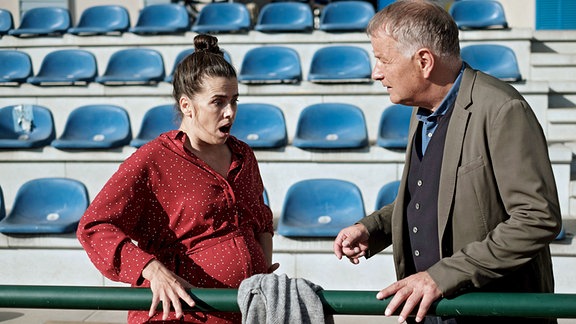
[[497, 204]]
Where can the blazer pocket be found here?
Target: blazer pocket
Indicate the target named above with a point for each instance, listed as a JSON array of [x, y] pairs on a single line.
[[471, 166]]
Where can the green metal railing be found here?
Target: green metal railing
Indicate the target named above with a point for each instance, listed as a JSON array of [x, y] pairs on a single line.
[[335, 302]]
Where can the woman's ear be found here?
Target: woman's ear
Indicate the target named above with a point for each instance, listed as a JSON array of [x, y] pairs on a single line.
[[185, 106]]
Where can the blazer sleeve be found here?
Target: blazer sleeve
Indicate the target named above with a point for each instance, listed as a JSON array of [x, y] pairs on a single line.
[[519, 165], [379, 225]]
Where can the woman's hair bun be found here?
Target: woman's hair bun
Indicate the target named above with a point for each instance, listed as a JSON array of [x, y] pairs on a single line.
[[206, 43]]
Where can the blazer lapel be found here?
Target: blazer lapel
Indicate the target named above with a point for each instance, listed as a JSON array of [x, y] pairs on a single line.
[[453, 150]]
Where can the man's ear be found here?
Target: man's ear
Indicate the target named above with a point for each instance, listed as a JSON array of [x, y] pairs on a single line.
[[426, 61]]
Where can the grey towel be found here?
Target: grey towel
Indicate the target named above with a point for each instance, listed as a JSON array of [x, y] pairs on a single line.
[[277, 299]]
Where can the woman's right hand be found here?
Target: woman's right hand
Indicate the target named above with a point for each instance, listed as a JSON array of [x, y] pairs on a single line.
[[167, 288]]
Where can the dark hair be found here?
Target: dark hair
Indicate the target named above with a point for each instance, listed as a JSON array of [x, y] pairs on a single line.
[[206, 61]]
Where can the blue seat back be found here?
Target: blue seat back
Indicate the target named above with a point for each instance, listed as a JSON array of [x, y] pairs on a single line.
[[340, 64], [387, 194], [43, 21], [162, 18], [331, 126], [320, 208], [67, 66], [134, 65], [223, 17], [497, 60], [156, 120], [342, 16], [15, 66], [3, 205], [271, 64], [285, 17], [95, 127], [102, 19], [394, 126], [26, 126], [478, 14], [47, 205], [260, 125], [6, 21]]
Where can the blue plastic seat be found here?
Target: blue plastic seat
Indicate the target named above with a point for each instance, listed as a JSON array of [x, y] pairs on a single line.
[[340, 64], [15, 67], [102, 20], [3, 205], [496, 60], [478, 14], [271, 64], [346, 16], [26, 126], [47, 206], [331, 126], [6, 21], [164, 18], [133, 66], [260, 125], [156, 121], [66, 67], [381, 4], [223, 17], [393, 127], [183, 55], [282, 17], [43, 21], [320, 208], [95, 127], [387, 194]]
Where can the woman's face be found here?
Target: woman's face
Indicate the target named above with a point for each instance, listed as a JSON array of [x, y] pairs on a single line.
[[208, 116]]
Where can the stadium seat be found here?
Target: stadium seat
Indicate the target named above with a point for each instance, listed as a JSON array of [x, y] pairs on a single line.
[[163, 18], [393, 127], [156, 121], [283, 17], [6, 21], [15, 67], [223, 17], [346, 16], [95, 127], [320, 208], [387, 194], [331, 126], [271, 64], [381, 4], [260, 125], [478, 14], [134, 66], [340, 64], [102, 20], [185, 53], [496, 60], [264, 196], [46, 206], [66, 67], [43, 21], [26, 126]]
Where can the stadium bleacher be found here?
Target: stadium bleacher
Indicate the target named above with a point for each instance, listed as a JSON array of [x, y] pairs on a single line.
[[546, 60]]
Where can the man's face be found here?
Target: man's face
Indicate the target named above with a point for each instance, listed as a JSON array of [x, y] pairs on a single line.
[[399, 74]]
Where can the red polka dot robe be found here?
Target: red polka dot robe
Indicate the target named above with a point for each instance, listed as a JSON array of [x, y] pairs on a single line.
[[165, 203]]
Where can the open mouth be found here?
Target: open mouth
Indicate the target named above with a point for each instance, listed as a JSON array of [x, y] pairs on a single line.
[[225, 129]]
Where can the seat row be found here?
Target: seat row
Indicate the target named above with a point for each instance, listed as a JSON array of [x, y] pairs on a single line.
[[266, 64], [318, 207], [262, 126], [229, 17], [312, 207], [262, 64], [215, 17]]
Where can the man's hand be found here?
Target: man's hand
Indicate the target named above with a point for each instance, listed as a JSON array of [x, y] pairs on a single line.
[[167, 288], [416, 289], [352, 242]]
